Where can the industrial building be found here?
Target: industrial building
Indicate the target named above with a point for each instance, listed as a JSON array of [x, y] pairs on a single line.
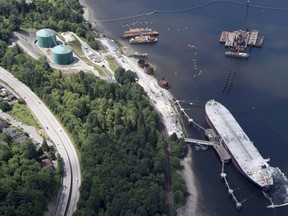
[[62, 54], [46, 38]]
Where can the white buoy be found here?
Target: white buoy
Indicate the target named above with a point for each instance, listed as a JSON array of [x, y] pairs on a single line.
[[223, 175], [230, 191], [238, 205]]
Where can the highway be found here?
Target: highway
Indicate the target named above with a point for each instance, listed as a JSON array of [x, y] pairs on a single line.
[[72, 176]]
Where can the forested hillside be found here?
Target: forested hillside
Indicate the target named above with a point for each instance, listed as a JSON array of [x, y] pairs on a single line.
[[25, 186], [115, 129], [113, 126]]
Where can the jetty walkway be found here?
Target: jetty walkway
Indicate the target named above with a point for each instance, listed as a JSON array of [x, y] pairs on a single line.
[[216, 142]]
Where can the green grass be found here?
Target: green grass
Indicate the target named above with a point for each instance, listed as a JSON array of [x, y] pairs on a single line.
[[112, 65], [76, 46], [60, 36], [101, 70], [21, 112]]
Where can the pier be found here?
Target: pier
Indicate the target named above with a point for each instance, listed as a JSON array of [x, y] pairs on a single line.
[[202, 142], [216, 142], [190, 120], [223, 176]]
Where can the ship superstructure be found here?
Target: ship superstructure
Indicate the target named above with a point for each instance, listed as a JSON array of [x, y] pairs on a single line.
[[244, 154]]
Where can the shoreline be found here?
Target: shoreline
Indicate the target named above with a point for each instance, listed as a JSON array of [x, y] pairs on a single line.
[[163, 107], [86, 10]]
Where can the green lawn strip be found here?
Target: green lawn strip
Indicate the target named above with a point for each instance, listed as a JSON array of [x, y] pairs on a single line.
[[76, 45], [60, 36], [112, 65], [24, 115], [101, 70]]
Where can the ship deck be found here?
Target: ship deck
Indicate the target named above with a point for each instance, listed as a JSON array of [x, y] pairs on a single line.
[[238, 144]]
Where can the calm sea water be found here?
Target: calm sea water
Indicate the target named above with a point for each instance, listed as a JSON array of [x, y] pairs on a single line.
[[197, 74]]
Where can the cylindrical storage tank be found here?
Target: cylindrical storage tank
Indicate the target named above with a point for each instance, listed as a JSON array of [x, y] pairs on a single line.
[[46, 38], [62, 55]]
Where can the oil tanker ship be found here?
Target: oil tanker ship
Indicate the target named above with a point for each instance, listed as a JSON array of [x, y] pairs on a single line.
[[143, 39], [244, 154], [131, 33]]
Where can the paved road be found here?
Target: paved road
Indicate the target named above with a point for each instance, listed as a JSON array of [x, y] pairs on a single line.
[[72, 177]]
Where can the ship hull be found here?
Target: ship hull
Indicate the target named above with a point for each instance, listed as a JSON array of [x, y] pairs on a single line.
[[234, 160], [143, 42]]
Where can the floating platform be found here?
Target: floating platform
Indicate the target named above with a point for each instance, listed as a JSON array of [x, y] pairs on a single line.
[[238, 41], [223, 37]]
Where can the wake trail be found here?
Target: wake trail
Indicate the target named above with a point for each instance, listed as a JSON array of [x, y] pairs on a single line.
[[278, 194]]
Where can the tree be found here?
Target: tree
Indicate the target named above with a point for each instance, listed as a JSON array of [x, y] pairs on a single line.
[[94, 45], [5, 152], [60, 164], [28, 150], [124, 77], [44, 146], [178, 148], [15, 21], [80, 32], [3, 48], [5, 106]]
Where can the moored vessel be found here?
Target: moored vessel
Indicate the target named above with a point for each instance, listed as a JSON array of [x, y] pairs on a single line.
[[143, 39], [138, 32], [237, 54], [244, 154]]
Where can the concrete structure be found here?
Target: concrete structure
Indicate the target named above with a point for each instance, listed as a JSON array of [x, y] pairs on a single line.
[[46, 38], [62, 55]]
